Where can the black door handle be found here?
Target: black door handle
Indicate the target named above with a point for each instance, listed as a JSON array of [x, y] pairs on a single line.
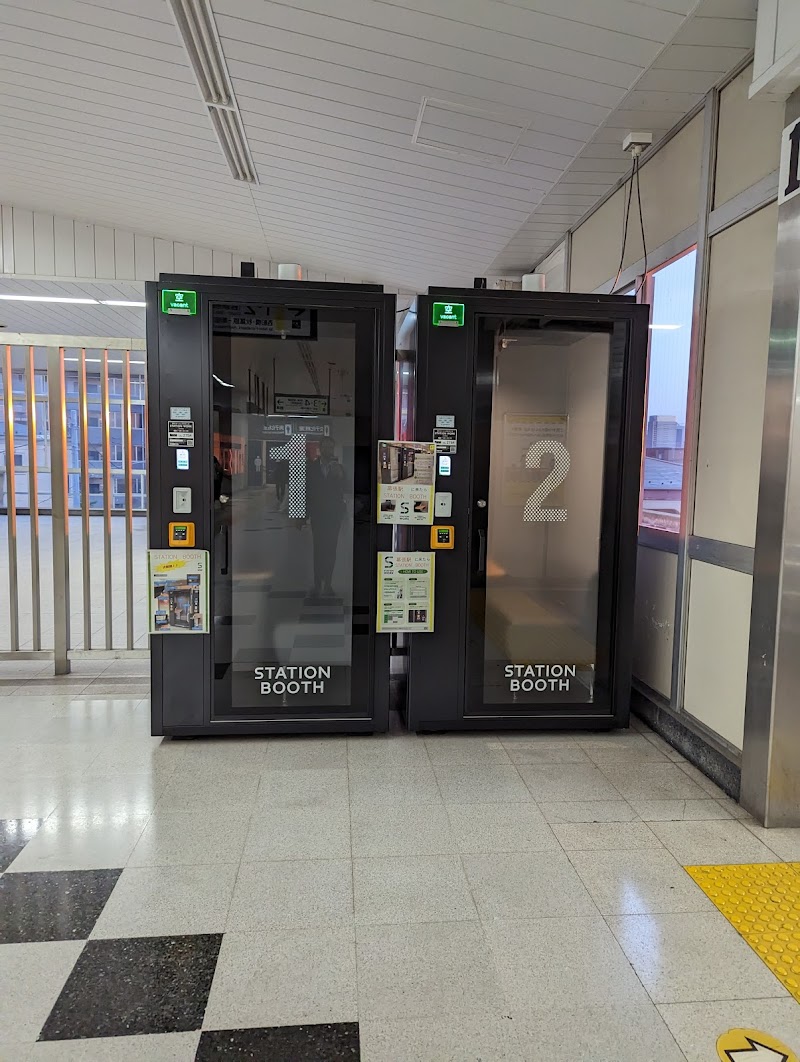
[[481, 551], [225, 566]]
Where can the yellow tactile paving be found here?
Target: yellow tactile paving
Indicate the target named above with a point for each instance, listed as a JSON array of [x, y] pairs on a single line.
[[762, 901]]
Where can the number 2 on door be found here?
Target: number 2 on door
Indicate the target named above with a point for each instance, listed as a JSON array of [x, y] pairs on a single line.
[[534, 511]]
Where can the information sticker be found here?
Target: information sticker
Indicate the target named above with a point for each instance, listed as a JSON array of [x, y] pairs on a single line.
[[405, 592], [180, 433], [177, 591], [405, 482]]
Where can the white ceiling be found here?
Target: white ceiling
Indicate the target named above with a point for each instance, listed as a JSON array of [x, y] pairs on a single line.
[[70, 319], [100, 118]]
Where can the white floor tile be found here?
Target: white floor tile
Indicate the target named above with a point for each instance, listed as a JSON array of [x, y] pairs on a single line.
[[622, 1033], [168, 901], [426, 972], [298, 833], [697, 1026], [604, 836], [393, 786], [480, 829], [639, 882], [294, 894], [306, 788], [82, 842], [481, 784], [526, 885], [174, 838], [553, 963], [406, 830], [31, 979], [284, 977], [455, 750], [724, 841], [411, 889], [687, 958], [447, 1038]]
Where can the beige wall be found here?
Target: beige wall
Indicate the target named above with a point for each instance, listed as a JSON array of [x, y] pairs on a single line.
[[718, 642], [734, 378], [749, 138], [670, 196], [654, 622]]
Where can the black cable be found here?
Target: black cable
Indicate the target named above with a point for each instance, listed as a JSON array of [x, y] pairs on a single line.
[[641, 225], [629, 182]]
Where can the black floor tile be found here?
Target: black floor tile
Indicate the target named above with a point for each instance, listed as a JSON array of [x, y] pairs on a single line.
[[14, 835], [52, 905], [134, 986], [287, 1043]]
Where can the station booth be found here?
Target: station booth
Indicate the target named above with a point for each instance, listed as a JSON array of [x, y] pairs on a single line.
[[325, 512]]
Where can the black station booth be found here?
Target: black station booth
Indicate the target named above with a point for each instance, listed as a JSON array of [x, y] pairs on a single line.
[[268, 404]]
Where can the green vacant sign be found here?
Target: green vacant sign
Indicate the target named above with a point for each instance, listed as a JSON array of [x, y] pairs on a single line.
[[448, 313], [182, 302]]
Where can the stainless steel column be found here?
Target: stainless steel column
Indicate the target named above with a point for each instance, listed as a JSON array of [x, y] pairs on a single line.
[[105, 412], [770, 787], [128, 459], [60, 503]]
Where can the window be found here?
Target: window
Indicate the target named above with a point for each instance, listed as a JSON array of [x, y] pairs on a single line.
[[138, 455], [115, 414], [137, 418], [670, 292]]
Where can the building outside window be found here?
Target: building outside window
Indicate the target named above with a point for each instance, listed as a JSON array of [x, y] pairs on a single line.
[[670, 292]]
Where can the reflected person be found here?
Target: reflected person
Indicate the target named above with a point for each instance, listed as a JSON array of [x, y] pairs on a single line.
[[325, 493]]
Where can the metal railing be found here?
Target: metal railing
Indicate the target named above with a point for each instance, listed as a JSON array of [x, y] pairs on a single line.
[[73, 523]]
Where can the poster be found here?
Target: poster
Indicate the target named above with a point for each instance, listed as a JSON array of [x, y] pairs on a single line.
[[405, 592], [177, 581], [520, 432], [405, 482]]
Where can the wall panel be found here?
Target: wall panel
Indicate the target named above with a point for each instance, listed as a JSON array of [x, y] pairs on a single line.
[[670, 184], [716, 661], [656, 579], [749, 138], [734, 378]]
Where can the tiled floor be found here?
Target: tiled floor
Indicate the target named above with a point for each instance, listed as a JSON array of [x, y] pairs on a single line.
[[503, 898]]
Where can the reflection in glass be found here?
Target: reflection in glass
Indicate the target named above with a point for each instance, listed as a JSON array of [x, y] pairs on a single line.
[[671, 294], [284, 508], [547, 442]]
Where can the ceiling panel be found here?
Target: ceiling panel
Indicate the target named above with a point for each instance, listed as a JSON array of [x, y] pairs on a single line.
[[69, 319], [527, 102]]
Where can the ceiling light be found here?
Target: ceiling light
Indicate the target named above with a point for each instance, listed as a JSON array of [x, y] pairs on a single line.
[[121, 302], [221, 382], [665, 327], [45, 298], [198, 30]]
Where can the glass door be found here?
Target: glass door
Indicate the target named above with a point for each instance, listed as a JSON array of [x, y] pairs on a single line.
[[539, 631], [292, 445]]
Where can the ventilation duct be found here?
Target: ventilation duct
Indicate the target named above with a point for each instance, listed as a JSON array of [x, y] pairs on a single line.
[[198, 30]]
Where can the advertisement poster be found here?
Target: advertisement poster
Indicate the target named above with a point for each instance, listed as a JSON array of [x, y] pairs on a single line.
[[178, 591], [405, 592], [520, 432], [406, 482]]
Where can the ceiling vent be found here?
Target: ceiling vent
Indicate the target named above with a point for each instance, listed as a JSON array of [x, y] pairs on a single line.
[[198, 30], [470, 133]]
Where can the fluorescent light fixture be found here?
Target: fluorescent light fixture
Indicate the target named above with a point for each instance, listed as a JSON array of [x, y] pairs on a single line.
[[665, 327], [198, 30], [221, 382], [121, 302], [45, 298]]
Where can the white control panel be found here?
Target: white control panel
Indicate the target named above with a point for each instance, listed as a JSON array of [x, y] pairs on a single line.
[[182, 500], [442, 503]]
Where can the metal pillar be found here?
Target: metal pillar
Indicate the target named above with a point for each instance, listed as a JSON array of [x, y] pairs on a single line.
[[770, 787], [58, 472]]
